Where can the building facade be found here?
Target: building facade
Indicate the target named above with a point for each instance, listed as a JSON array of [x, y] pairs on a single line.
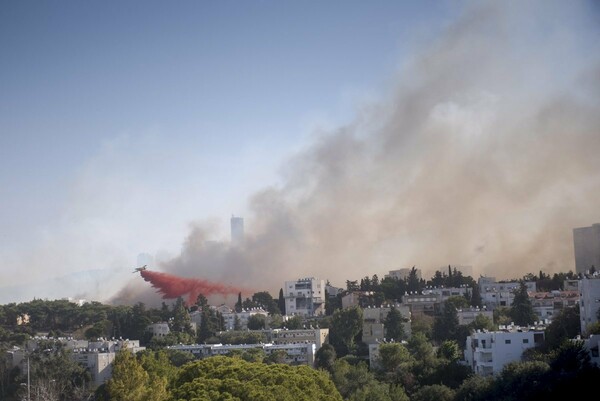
[[547, 304], [373, 323], [402, 274], [495, 294], [468, 316], [96, 356], [589, 300], [305, 297], [300, 336], [488, 352], [586, 241], [296, 354], [237, 230]]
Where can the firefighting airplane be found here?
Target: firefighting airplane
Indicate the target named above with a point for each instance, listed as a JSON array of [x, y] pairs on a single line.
[[139, 269]]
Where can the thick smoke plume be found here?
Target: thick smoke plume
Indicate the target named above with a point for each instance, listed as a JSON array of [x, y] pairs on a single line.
[[171, 286], [485, 153]]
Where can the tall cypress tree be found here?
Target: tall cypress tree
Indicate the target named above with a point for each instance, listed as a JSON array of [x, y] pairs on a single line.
[[521, 311], [281, 302], [238, 304]]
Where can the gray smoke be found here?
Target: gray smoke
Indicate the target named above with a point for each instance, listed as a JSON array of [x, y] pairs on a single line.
[[485, 153]]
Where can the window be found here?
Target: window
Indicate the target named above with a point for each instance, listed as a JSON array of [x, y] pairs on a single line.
[[526, 341], [506, 341]]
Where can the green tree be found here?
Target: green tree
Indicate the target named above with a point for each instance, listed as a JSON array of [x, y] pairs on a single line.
[[482, 322], [294, 323], [281, 302], [445, 326], [349, 379], [276, 356], [238, 304], [449, 350], [237, 324], [346, 324], [565, 325], [393, 355], [130, 382], [521, 310], [201, 302], [476, 388], [181, 318], [476, 296], [264, 300], [394, 325], [257, 322], [325, 357], [434, 392], [221, 378]]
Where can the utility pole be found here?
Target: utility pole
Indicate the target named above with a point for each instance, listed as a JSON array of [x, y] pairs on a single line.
[[28, 382]]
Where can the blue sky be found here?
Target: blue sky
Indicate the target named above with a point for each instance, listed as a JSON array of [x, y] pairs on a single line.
[[121, 123]]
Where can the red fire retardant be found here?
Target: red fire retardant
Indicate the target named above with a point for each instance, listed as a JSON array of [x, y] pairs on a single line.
[[173, 287]]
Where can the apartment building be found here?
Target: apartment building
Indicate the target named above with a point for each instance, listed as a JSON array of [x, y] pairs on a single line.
[[373, 322], [296, 354], [495, 294], [468, 316], [488, 352], [589, 300], [96, 356], [300, 336], [547, 304], [304, 297]]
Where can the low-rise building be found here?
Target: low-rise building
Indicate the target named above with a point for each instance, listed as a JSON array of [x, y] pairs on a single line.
[[362, 299], [446, 292], [159, 329], [592, 345], [495, 294], [548, 304], [468, 316], [230, 317], [402, 274], [589, 301], [300, 336], [296, 354], [423, 304], [373, 322], [488, 352], [96, 356]]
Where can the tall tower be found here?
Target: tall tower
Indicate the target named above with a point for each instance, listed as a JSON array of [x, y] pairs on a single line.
[[237, 230], [587, 248]]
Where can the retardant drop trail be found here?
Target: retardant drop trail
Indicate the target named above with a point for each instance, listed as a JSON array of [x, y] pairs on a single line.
[[173, 287]]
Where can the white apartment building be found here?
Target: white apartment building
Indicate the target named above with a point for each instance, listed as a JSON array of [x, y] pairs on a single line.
[[592, 345], [488, 352], [373, 322], [495, 294], [402, 274], [468, 316], [300, 336], [304, 297], [422, 304], [96, 356], [589, 300], [243, 317], [547, 304], [586, 243], [160, 329], [297, 354], [446, 292]]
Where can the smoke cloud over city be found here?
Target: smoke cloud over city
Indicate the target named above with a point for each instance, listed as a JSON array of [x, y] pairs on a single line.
[[485, 152]]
